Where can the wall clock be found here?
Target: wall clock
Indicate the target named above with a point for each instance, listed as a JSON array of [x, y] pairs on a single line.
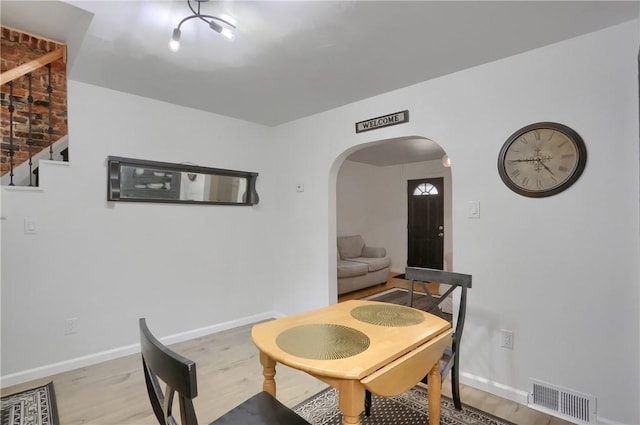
[[542, 159]]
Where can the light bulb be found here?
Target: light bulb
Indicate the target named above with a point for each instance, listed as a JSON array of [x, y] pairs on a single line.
[[174, 43], [227, 33]]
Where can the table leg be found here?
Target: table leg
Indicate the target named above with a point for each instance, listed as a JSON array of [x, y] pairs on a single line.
[[351, 401], [434, 394], [269, 372]]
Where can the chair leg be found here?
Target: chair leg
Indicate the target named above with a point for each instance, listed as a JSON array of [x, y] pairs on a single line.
[[455, 387], [367, 403]]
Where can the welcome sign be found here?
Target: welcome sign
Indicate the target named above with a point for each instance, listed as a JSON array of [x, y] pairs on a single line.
[[383, 121]]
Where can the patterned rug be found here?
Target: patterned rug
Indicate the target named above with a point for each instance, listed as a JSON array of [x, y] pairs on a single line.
[[407, 408], [36, 406], [400, 296]]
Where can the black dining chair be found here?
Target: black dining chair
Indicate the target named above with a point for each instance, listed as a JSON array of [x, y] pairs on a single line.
[[179, 375], [450, 360]]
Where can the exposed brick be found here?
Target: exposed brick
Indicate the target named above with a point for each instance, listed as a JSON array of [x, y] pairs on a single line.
[[16, 49]]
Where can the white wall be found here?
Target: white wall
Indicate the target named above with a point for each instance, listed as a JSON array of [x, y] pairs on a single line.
[[372, 201], [357, 187], [184, 267], [561, 272]]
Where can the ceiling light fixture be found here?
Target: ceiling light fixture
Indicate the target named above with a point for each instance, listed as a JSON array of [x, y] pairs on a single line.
[[224, 30], [446, 162]]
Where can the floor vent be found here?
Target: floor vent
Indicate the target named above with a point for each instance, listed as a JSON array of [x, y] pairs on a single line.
[[567, 404]]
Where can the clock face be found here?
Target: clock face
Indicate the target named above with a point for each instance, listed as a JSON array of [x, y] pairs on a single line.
[[542, 159]]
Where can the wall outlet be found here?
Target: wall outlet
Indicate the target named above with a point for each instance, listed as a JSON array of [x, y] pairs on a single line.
[[71, 326], [506, 339]]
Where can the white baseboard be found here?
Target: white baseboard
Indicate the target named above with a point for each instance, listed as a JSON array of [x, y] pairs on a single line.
[[495, 388], [605, 421], [91, 359]]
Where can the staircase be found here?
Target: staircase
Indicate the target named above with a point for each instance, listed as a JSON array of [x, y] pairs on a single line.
[[33, 100], [21, 172]]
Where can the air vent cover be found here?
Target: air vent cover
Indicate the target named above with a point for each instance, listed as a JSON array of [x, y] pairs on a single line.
[[561, 402]]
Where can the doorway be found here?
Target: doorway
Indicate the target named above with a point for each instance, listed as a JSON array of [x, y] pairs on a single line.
[[371, 194], [425, 223]]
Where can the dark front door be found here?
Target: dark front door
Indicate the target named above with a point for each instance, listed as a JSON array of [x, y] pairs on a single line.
[[426, 223]]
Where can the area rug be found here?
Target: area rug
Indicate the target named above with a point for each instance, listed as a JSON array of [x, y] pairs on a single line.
[[36, 406], [400, 296], [407, 408]]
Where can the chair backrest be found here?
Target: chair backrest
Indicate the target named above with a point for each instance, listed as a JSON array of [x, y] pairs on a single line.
[[455, 280], [177, 372]]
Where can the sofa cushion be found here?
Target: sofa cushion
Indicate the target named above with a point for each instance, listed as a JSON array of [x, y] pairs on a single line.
[[351, 268], [373, 252], [350, 246], [374, 263]]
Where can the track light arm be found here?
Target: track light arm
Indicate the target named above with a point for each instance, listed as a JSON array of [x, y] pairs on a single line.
[[197, 14], [205, 16], [212, 21]]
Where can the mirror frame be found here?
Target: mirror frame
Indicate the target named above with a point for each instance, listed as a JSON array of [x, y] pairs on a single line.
[[114, 181]]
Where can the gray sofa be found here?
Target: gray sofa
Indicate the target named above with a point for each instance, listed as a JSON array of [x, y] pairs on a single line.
[[360, 266]]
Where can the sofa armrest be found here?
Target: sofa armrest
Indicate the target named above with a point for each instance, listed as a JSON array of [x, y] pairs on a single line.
[[373, 252]]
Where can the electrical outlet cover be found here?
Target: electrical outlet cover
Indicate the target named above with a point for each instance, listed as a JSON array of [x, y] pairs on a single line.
[[506, 339]]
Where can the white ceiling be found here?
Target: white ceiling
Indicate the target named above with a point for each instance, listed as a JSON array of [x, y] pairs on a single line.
[[292, 59], [399, 151]]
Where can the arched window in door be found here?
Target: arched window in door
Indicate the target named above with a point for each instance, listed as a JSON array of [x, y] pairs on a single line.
[[425, 189]]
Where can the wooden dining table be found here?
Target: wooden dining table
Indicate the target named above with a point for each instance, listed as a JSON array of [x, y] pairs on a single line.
[[356, 346]]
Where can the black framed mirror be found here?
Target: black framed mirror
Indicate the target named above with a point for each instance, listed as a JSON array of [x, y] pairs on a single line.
[[138, 180]]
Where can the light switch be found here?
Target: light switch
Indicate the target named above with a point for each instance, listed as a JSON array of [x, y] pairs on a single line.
[[29, 226], [474, 209]]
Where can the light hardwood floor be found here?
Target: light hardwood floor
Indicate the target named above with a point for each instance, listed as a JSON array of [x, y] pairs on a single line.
[[228, 371]]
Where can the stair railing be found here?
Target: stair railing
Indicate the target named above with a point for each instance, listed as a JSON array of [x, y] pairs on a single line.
[[8, 78]]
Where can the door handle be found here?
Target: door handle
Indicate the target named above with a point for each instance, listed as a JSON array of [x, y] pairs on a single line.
[[440, 234]]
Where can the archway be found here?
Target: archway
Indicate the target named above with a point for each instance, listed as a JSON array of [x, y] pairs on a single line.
[[371, 196]]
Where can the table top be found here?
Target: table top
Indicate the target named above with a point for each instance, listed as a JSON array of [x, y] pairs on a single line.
[[348, 340]]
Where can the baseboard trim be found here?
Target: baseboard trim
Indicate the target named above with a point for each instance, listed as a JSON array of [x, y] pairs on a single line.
[[91, 359], [605, 421], [495, 388]]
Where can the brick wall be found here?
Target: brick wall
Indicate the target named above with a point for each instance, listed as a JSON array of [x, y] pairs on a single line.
[[16, 49]]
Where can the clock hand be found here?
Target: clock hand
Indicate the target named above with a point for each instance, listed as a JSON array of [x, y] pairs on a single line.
[[545, 167]]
